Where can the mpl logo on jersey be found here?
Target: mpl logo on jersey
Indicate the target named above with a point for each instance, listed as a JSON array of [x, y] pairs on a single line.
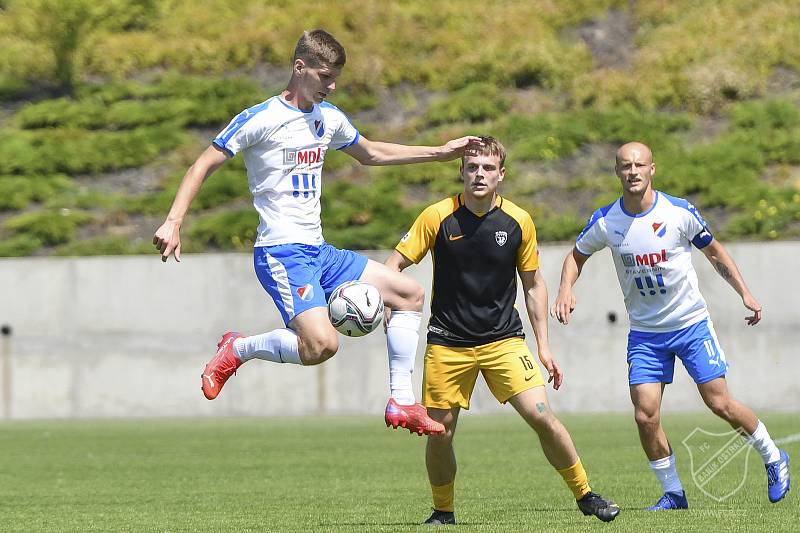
[[650, 259], [303, 156]]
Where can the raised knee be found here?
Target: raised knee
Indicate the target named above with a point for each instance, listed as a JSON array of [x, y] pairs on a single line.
[[319, 349], [417, 298]]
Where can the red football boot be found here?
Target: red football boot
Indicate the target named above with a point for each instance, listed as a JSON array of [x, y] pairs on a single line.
[[412, 417], [221, 367]]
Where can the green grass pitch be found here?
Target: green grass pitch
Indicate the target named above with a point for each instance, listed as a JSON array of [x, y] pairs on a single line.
[[353, 474]]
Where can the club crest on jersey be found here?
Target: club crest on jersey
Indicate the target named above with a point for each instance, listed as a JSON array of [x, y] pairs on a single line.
[[306, 292], [303, 156], [659, 228], [319, 127], [501, 237]]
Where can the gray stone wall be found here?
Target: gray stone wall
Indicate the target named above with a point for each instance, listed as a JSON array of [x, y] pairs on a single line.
[[129, 336]]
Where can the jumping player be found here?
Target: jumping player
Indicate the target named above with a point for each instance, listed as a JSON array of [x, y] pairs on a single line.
[[284, 141], [651, 235]]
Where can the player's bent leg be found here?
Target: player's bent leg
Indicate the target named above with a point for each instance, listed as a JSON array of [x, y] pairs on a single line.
[[560, 451], [311, 340], [400, 292], [440, 462], [776, 461], [415, 418], [716, 396], [404, 296], [317, 340], [221, 367], [556, 442]]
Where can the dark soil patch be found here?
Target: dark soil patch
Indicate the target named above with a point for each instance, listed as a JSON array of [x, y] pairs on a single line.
[[610, 39]]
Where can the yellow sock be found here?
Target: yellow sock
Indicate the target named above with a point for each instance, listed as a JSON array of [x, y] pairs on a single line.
[[576, 479], [443, 497]]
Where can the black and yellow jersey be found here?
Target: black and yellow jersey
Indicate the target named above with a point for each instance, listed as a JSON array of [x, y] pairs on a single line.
[[475, 263]]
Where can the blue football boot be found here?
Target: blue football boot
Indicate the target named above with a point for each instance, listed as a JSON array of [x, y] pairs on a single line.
[[778, 478], [671, 500]]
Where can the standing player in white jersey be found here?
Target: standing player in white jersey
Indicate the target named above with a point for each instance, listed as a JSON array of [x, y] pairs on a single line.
[[283, 141], [651, 236]]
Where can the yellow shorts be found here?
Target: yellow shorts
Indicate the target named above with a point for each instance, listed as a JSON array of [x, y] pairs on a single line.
[[451, 372]]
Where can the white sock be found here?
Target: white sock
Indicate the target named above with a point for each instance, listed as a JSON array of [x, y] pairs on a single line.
[[278, 345], [667, 474], [764, 444], [402, 336]]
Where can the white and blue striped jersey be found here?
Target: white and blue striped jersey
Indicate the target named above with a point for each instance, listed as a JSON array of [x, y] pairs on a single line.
[[652, 253], [284, 148]]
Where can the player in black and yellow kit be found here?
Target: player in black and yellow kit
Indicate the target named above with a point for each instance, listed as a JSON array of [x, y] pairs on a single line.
[[480, 242]]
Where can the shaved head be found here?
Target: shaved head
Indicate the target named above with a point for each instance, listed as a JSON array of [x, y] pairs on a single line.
[[634, 151], [635, 168]]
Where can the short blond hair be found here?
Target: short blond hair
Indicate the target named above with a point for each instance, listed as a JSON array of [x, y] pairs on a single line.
[[490, 146], [318, 48]]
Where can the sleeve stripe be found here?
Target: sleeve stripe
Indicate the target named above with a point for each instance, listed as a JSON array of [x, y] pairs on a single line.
[[597, 215], [218, 144], [241, 119], [351, 143]]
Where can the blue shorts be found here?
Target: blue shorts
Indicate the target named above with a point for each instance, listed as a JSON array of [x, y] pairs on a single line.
[[302, 276], [651, 356]]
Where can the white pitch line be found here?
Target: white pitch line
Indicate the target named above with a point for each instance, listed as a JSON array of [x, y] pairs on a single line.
[[788, 439]]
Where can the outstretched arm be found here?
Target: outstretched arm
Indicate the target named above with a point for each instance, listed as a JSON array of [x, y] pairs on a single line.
[[726, 267], [535, 291], [565, 301], [373, 153], [397, 261], [167, 238]]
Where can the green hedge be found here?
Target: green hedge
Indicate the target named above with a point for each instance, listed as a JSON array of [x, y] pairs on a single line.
[[50, 227], [228, 230], [77, 151], [17, 192]]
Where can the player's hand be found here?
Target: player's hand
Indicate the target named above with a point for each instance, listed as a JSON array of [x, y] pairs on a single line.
[[468, 146], [753, 305], [167, 240], [555, 375], [563, 306]]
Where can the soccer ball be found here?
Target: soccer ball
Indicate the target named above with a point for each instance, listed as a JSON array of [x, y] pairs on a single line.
[[355, 308]]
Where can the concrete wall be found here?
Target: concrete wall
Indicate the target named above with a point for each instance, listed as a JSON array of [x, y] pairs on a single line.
[[128, 336]]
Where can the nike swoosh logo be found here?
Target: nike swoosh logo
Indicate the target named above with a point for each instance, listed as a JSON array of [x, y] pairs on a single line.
[[529, 378], [455, 237]]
